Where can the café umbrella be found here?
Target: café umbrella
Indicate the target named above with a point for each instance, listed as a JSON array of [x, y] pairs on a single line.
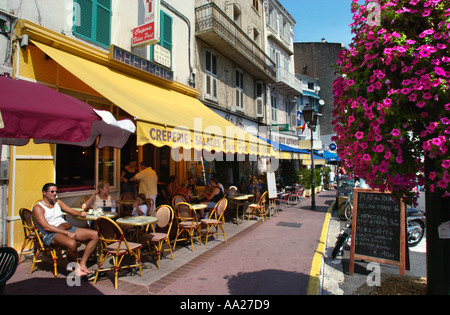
[[32, 111]]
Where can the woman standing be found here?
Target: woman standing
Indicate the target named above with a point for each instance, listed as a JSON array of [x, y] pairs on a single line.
[[127, 174]]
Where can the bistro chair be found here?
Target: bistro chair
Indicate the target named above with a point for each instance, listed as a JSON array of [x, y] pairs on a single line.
[[152, 209], [115, 245], [297, 195], [187, 224], [179, 198], [165, 215], [41, 248], [27, 224], [126, 209], [258, 208], [283, 199], [216, 219], [232, 191], [8, 265]]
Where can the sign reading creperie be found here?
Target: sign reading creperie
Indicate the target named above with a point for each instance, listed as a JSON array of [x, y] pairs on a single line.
[[148, 33]]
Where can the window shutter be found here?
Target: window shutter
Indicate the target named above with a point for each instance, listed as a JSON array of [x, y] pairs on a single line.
[[94, 21], [259, 100], [85, 27], [166, 31], [103, 27]]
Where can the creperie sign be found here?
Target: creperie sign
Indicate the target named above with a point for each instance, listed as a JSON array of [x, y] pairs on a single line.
[[148, 33]]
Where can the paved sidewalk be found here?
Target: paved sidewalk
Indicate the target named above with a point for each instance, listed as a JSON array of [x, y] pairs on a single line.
[[270, 258]]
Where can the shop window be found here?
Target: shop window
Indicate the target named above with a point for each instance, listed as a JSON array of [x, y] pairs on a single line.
[[75, 167], [93, 21], [106, 165]]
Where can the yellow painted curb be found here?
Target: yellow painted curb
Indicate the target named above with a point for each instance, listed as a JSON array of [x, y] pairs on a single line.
[[314, 274]]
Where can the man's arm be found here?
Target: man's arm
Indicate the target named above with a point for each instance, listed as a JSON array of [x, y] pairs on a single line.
[[69, 210]]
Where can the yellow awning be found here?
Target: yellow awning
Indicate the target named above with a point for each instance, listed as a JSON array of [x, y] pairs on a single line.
[[164, 116]]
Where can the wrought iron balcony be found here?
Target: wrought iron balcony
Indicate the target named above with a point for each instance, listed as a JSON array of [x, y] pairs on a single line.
[[214, 27]]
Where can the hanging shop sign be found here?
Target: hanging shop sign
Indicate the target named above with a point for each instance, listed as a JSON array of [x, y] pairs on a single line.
[[119, 54], [148, 33]]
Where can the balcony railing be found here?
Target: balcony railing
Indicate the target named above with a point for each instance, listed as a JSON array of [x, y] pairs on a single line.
[[290, 80], [210, 18]]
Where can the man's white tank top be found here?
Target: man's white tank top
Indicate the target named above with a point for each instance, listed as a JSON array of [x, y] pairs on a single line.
[[54, 216]]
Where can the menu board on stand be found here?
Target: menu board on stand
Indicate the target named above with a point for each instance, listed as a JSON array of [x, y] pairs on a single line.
[[378, 229], [271, 191]]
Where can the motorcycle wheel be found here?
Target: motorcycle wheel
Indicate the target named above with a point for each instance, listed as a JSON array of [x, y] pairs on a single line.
[[415, 233], [348, 212], [339, 244]]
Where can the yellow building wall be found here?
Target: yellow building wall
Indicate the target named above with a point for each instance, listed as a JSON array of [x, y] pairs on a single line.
[[32, 166]]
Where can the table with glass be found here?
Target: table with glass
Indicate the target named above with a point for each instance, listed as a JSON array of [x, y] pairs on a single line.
[[93, 215]]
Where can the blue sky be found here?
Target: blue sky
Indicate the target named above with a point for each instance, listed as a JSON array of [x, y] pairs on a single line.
[[317, 19]]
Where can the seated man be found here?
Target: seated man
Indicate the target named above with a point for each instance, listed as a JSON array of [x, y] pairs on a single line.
[[57, 232]]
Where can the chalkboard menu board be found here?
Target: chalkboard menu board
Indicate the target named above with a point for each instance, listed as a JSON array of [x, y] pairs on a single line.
[[378, 228]]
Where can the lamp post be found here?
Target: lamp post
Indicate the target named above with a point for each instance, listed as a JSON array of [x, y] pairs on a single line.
[[311, 119]]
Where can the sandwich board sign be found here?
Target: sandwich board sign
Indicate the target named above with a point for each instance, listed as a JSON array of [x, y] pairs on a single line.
[[378, 229]]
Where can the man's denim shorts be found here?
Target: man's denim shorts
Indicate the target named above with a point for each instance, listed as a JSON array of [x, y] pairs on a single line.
[[49, 237]]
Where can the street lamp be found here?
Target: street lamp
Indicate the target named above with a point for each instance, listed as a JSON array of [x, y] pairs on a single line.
[[311, 119]]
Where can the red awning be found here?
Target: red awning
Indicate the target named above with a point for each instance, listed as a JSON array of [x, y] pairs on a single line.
[[33, 111]]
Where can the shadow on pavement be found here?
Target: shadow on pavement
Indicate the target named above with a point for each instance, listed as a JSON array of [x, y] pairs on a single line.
[[268, 282]]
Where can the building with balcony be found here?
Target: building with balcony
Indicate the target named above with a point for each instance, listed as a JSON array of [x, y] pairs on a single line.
[[284, 95]]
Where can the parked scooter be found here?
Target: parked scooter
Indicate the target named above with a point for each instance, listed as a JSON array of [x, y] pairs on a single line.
[[415, 220]]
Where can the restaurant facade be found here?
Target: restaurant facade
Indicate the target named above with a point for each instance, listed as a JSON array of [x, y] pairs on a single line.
[[94, 51]]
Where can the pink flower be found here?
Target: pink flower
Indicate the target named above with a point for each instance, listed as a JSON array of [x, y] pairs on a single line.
[[439, 71], [366, 157], [359, 135], [446, 164], [395, 132], [350, 82], [432, 175], [421, 104], [350, 120], [412, 97], [399, 159]]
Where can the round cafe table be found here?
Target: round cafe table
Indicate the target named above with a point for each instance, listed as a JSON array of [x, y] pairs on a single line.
[[199, 206], [240, 201], [137, 220]]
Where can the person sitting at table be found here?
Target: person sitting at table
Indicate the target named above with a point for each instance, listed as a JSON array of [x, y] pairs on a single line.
[[100, 198], [184, 188], [141, 206], [48, 215], [217, 193], [172, 187], [192, 191]]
